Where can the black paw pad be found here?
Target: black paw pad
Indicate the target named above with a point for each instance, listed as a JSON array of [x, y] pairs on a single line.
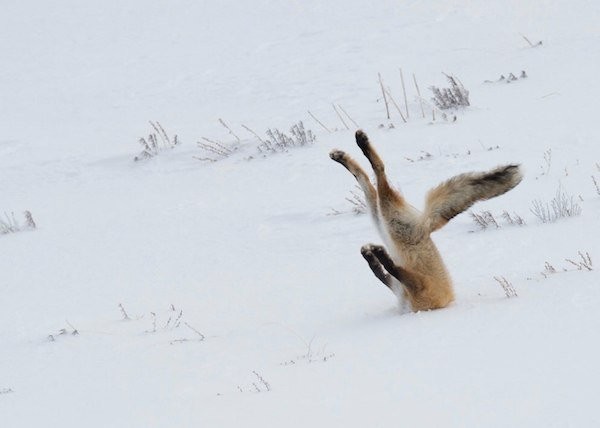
[[362, 140], [379, 251]]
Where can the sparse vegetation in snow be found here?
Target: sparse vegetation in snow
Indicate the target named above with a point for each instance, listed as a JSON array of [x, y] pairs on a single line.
[[485, 219], [509, 289], [10, 224], [156, 142], [562, 205], [454, 96]]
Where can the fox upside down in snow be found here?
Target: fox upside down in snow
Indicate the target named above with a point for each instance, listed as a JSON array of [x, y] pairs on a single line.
[[413, 265]]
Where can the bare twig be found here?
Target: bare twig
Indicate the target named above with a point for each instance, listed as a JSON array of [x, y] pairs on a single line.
[[253, 133], [178, 319], [318, 121], [124, 313], [161, 133], [419, 94], [531, 44], [395, 105], [348, 116], [230, 131], [547, 161], [404, 92], [387, 109], [340, 116], [153, 323], [75, 332], [200, 335]]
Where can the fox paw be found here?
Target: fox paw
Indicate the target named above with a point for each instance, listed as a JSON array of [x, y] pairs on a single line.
[[337, 155], [362, 140], [379, 251], [372, 250], [368, 248]]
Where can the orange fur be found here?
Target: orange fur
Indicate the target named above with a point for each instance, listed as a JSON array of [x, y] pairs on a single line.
[[413, 261]]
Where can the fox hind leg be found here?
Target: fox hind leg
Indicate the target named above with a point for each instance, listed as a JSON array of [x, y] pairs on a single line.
[[388, 197], [401, 219]]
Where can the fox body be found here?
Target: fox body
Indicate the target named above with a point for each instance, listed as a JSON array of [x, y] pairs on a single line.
[[413, 267]]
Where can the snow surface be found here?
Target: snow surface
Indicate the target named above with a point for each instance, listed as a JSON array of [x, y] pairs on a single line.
[[249, 303]]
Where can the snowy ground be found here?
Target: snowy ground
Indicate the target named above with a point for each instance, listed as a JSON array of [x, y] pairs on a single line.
[[249, 302]]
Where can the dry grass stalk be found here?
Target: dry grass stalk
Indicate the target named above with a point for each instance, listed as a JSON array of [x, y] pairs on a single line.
[[562, 205], [214, 148], [419, 94], [453, 97], [584, 263], [280, 142], [340, 116], [9, 223], [262, 381], [230, 131], [596, 185], [387, 108], [404, 92], [547, 161], [319, 122], [539, 43], [29, 220], [548, 270], [514, 219], [253, 133], [124, 313], [508, 288], [395, 105], [151, 146], [359, 206], [484, 220], [161, 133], [348, 116]]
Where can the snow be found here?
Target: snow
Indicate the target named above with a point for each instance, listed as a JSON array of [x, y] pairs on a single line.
[[265, 314]]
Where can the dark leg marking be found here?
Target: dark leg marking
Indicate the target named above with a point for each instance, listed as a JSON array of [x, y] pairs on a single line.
[[409, 279], [376, 267], [363, 142]]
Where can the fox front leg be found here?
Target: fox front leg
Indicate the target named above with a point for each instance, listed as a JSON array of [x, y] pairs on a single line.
[[412, 281], [376, 266], [363, 181]]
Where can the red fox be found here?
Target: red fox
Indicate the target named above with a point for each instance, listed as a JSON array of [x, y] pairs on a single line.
[[413, 268]]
